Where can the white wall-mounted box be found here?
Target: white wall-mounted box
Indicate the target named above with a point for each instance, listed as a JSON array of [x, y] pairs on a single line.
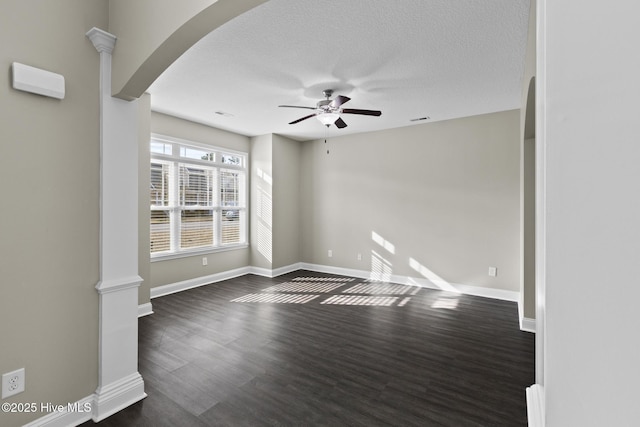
[[35, 80]]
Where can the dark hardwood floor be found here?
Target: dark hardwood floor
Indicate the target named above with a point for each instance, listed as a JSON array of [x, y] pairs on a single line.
[[375, 355]]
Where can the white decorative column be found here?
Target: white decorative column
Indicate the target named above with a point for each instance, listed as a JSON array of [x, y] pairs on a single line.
[[119, 383]]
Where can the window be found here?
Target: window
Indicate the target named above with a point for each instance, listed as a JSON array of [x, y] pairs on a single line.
[[198, 198]]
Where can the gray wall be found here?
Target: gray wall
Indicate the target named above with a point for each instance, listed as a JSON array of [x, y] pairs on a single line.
[[50, 183], [589, 92], [275, 201], [261, 203], [445, 195], [286, 201], [49, 257], [440, 198], [528, 188], [529, 229], [177, 270], [144, 181]]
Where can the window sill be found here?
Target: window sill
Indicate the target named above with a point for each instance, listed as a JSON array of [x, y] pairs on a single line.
[[197, 252]]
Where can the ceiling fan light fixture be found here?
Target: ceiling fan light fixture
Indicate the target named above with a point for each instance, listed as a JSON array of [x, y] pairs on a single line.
[[328, 119], [328, 111]]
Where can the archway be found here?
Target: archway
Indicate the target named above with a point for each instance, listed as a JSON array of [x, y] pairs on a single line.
[[529, 212], [169, 31], [147, 39]]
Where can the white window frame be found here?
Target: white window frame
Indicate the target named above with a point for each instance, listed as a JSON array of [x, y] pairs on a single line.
[[174, 160]]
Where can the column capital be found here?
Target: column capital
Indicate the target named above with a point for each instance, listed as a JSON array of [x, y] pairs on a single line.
[[102, 41]]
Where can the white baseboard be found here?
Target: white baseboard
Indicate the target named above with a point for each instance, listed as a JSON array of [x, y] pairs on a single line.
[[535, 405], [528, 325], [265, 272], [105, 402], [480, 291], [73, 414], [172, 288], [118, 395], [163, 290], [145, 309]]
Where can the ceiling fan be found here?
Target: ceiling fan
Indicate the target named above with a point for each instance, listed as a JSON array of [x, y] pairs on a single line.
[[328, 111]]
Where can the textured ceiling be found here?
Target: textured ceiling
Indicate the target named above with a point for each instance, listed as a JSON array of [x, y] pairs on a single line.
[[440, 59]]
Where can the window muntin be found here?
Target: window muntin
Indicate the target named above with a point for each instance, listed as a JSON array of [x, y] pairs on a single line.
[[197, 154], [230, 188], [231, 159], [161, 147], [197, 228], [160, 231], [197, 185], [198, 198], [159, 183]]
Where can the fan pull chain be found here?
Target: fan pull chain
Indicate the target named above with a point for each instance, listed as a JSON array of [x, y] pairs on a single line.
[[326, 131]]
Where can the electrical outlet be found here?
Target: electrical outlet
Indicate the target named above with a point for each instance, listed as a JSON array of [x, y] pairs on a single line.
[[12, 383], [493, 271], [205, 261], [329, 253]]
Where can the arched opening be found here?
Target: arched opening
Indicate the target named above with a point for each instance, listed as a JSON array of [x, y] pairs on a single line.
[[529, 210], [530, 111], [139, 61], [123, 127]]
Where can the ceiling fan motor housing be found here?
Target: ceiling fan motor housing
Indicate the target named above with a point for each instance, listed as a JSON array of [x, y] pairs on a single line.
[[324, 105], [328, 111]]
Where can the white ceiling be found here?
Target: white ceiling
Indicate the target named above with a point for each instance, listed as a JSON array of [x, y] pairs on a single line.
[[440, 59]]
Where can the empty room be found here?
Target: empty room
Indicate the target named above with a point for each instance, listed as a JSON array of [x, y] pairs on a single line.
[[302, 213]]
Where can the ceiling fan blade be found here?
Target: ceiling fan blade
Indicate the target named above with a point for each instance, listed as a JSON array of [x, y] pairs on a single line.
[[297, 106], [340, 123], [339, 101], [302, 118], [363, 112]]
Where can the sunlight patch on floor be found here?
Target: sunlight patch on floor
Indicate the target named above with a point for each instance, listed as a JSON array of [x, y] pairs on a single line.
[[323, 279], [448, 303], [304, 287], [360, 300], [277, 298], [301, 290], [404, 301], [380, 288]]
